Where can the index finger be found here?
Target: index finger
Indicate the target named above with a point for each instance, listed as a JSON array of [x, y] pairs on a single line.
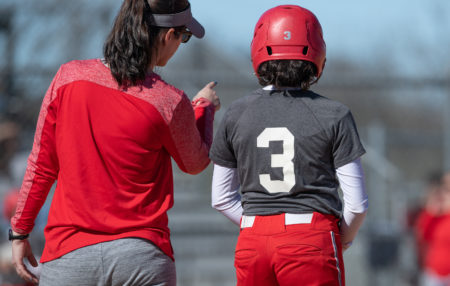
[[32, 260], [212, 84]]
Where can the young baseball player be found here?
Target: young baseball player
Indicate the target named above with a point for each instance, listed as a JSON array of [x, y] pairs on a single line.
[[107, 132], [288, 150]]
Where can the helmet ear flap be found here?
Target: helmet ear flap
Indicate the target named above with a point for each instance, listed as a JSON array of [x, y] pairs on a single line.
[[305, 50], [320, 71]]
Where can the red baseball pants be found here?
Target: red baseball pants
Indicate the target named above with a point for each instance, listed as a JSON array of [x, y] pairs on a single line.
[[273, 252]]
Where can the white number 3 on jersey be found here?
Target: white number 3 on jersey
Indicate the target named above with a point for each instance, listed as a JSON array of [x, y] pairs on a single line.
[[283, 160]]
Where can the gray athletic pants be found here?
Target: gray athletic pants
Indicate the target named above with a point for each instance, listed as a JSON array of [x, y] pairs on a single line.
[[122, 262]]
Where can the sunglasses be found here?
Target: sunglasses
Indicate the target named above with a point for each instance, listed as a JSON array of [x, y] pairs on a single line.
[[185, 36]]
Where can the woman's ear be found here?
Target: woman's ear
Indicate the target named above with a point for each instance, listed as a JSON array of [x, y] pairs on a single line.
[[168, 35]]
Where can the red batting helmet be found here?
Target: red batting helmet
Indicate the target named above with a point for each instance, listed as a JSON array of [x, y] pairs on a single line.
[[288, 32]]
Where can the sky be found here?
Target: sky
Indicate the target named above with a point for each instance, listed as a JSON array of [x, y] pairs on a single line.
[[409, 32]]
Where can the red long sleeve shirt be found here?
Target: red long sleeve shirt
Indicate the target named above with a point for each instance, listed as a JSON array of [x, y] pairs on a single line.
[[110, 152], [433, 233]]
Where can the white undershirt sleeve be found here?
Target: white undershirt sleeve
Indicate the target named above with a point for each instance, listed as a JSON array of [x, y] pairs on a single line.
[[351, 180], [225, 195]]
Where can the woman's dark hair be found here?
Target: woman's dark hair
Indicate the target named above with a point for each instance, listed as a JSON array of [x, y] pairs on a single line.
[[131, 43], [287, 73]]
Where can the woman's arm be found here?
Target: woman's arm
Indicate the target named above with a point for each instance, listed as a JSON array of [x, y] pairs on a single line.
[[43, 166], [42, 171], [191, 130]]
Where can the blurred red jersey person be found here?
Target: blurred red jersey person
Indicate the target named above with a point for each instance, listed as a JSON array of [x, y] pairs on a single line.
[[433, 235]]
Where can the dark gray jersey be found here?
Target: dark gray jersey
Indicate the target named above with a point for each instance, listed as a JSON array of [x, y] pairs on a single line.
[[286, 146]]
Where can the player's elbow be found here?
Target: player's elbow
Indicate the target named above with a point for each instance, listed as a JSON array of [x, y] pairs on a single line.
[[224, 204], [357, 211], [221, 203], [218, 206], [359, 208]]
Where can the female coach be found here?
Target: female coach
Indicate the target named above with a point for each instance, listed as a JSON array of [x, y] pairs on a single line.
[[107, 131]]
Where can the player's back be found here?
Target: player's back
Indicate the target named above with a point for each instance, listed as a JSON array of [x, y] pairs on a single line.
[[288, 144]]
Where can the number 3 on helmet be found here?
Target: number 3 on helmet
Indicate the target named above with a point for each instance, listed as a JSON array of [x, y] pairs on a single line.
[[288, 32]]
